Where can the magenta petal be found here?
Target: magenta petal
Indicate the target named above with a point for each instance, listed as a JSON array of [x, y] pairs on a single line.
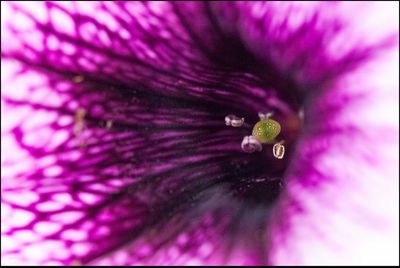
[[81, 191], [153, 176]]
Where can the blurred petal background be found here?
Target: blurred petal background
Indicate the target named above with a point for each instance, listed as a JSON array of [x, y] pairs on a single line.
[[114, 148]]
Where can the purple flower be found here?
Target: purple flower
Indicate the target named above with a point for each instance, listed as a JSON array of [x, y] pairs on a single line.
[[115, 149]]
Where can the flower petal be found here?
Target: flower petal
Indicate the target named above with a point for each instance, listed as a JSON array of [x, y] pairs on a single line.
[[113, 141], [343, 180]]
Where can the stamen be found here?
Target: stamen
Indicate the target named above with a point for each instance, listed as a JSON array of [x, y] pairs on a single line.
[[234, 121], [79, 127], [79, 121], [301, 114], [278, 150], [264, 131], [78, 79], [250, 144], [109, 123], [265, 115]]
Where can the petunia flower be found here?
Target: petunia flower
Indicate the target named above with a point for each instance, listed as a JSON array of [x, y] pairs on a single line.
[[115, 150]]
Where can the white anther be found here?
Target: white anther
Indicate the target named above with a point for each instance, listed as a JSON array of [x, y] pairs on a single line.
[[250, 144], [234, 121], [278, 150], [265, 115]]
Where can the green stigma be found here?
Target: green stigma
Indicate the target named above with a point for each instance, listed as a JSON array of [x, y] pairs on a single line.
[[266, 130]]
